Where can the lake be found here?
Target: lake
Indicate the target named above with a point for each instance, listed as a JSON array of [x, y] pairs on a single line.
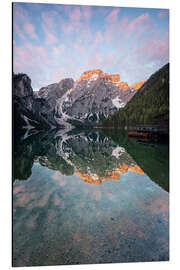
[[82, 197]]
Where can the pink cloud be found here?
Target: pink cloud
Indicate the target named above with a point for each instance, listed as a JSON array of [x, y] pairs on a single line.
[[79, 48], [30, 30], [156, 50], [98, 38], [20, 14], [18, 189], [123, 22], [86, 12], [113, 15], [163, 13], [67, 28], [95, 60], [50, 19], [138, 21], [19, 31], [49, 25], [30, 57], [114, 29], [58, 50], [75, 15], [109, 59], [35, 61], [22, 55], [50, 37]]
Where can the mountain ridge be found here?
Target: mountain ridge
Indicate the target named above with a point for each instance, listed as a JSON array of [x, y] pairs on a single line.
[[85, 103], [67, 103]]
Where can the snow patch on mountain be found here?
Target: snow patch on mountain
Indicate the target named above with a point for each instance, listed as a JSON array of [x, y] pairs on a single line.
[[117, 102]]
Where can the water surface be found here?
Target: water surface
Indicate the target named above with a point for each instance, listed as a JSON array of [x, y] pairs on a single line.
[[82, 198]]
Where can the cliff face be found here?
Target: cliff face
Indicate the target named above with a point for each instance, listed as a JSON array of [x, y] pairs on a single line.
[[114, 78], [35, 110], [24, 106], [86, 102], [98, 73], [123, 85]]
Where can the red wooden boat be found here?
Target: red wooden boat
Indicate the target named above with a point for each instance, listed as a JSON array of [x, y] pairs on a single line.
[[139, 134]]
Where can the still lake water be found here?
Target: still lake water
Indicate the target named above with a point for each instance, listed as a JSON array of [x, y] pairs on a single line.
[[81, 198]]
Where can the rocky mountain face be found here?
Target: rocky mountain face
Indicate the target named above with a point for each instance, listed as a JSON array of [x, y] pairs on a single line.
[[25, 115], [67, 104], [113, 78], [35, 110]]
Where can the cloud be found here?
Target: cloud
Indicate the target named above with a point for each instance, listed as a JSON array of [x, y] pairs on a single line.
[[18, 31], [75, 15], [23, 26], [98, 38], [81, 49], [58, 73], [20, 15], [86, 12], [113, 15], [116, 30], [73, 39], [49, 26], [49, 18], [49, 36], [33, 60], [95, 60], [58, 50], [153, 51], [137, 21], [109, 59], [30, 30]]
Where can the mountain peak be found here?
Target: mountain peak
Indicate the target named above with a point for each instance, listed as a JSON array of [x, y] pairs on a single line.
[[95, 73], [113, 78]]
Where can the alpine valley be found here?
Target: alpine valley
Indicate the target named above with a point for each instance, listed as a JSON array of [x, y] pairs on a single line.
[[85, 102]]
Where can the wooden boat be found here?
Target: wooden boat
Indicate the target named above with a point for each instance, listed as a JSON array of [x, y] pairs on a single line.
[[139, 135]]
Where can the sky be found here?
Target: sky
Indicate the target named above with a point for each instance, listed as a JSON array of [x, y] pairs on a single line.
[[53, 41]]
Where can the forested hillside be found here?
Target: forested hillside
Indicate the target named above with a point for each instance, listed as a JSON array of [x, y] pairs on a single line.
[[151, 100]]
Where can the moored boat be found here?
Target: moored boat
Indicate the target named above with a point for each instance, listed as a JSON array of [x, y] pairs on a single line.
[[139, 134]]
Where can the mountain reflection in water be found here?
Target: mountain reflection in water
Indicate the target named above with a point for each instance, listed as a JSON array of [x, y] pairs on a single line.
[[92, 156], [58, 218]]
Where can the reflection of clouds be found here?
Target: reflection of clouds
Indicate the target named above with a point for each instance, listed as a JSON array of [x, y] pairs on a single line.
[[59, 178], [110, 196], [25, 198], [18, 189], [141, 235], [97, 195], [157, 206], [57, 201], [43, 201], [77, 237], [31, 223], [74, 220]]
